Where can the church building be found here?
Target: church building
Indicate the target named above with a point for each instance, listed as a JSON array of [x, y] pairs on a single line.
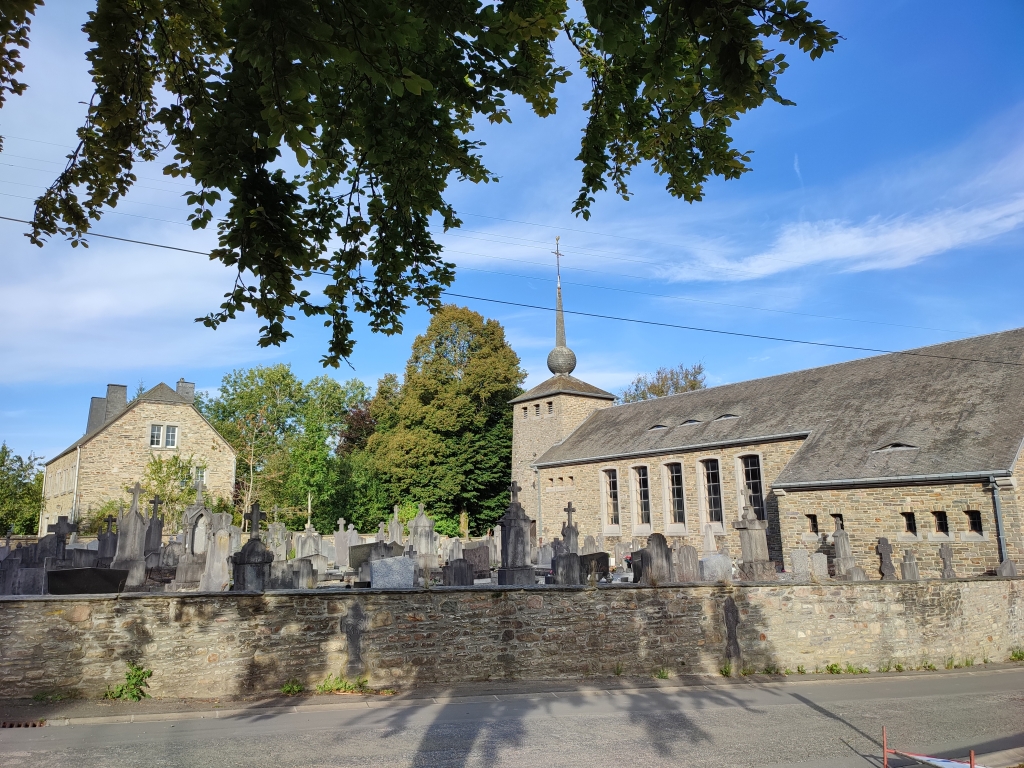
[[119, 441], [920, 447]]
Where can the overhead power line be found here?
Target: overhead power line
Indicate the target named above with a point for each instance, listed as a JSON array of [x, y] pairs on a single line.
[[735, 333]]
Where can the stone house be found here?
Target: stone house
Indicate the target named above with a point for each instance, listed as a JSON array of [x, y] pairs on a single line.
[[120, 439], [920, 447]]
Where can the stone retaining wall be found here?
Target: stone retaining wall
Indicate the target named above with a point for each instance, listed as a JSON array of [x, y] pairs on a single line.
[[229, 644]]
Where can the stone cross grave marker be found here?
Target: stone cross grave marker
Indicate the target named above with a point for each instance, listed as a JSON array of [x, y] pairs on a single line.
[[946, 553], [571, 532], [887, 569], [253, 517], [382, 533], [515, 543], [908, 567]]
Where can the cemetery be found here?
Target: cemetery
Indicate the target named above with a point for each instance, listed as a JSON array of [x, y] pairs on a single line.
[[213, 615]]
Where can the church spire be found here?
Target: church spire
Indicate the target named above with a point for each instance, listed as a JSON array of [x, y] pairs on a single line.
[[561, 359]]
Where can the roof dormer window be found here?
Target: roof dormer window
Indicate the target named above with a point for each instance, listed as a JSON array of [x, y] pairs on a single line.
[[659, 426], [895, 447], [725, 416], [690, 422]]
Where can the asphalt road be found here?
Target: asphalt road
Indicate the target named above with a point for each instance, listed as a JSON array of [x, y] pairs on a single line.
[[834, 723]]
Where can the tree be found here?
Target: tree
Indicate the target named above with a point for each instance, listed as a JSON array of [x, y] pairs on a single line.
[[173, 480], [21, 492], [372, 102], [666, 381], [444, 435]]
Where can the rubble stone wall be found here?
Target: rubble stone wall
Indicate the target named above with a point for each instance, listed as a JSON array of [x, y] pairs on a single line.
[[206, 645]]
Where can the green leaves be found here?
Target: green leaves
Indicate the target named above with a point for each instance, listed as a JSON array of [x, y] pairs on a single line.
[[374, 101]]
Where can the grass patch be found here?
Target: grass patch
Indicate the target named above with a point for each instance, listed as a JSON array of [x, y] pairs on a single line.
[[885, 666], [801, 669], [968, 661], [725, 670], [131, 689], [833, 669], [950, 663], [618, 669], [661, 673], [747, 670], [772, 669], [292, 688], [898, 667], [852, 670], [1016, 654], [340, 685], [927, 665], [49, 697]]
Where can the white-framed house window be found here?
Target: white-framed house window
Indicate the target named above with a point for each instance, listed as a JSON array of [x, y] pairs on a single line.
[[170, 436], [156, 433], [641, 498], [711, 493], [674, 493], [610, 508]]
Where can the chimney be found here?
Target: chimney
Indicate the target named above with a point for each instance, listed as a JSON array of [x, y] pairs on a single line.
[[117, 401], [97, 410], [186, 389]]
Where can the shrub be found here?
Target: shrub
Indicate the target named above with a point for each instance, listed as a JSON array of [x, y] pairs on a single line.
[[131, 689], [885, 666], [725, 670], [898, 667], [801, 669], [771, 669], [950, 663], [340, 685], [661, 673], [292, 687], [1016, 654], [968, 662], [833, 669], [927, 665], [52, 696]]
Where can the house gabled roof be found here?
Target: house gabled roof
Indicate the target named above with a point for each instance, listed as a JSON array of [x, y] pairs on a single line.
[[563, 384], [161, 393], [945, 411]]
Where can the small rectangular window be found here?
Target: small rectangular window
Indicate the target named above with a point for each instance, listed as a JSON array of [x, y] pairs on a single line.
[[675, 491], [643, 496], [155, 434], [837, 520], [525, 411], [941, 523], [170, 437], [752, 481], [974, 521], [713, 489], [611, 478], [551, 407], [812, 524], [536, 409], [571, 481], [909, 523]]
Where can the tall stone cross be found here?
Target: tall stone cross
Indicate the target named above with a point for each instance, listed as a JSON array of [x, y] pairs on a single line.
[[155, 502], [62, 527], [569, 509], [199, 490], [254, 520], [136, 493], [341, 523], [10, 532], [109, 520], [515, 489]]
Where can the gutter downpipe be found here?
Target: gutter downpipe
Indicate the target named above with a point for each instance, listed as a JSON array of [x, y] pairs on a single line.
[[997, 506], [74, 498], [540, 518]]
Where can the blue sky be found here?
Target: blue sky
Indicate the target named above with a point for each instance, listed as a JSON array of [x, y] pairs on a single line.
[[885, 210]]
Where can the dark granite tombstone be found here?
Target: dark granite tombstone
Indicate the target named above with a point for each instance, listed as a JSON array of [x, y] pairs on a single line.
[[251, 564], [107, 540], [61, 530], [479, 559], [458, 573], [85, 581], [571, 531], [946, 553], [597, 564], [567, 570], [154, 527], [515, 543], [884, 550]]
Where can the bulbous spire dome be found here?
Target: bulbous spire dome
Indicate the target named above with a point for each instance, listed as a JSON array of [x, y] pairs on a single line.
[[561, 359]]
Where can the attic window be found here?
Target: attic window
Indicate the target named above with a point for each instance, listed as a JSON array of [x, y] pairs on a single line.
[[727, 416], [690, 422], [895, 447], [659, 426]]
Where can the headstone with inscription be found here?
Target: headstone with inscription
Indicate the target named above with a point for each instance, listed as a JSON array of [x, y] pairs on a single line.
[[341, 544], [657, 561], [515, 543], [458, 573], [393, 573], [819, 566], [479, 557], [687, 565]]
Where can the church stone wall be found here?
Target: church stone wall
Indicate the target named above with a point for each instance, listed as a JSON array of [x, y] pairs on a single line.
[[586, 492], [207, 646], [116, 457], [871, 513]]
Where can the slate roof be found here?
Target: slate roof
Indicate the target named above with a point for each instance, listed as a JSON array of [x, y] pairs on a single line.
[[563, 383], [962, 416], [161, 393]]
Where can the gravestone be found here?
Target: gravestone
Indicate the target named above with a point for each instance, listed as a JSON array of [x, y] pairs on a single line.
[[856, 574], [480, 558], [393, 573], [251, 564], [567, 570], [307, 542], [819, 566], [304, 575], [131, 543], [107, 541], [801, 564], [421, 534], [235, 538], [946, 553], [589, 545], [887, 569], [715, 568], [61, 530], [458, 573], [455, 549], [279, 541], [1007, 569], [657, 561], [544, 557], [216, 572], [908, 567], [155, 527], [515, 543], [557, 548], [710, 547], [687, 568], [382, 532], [170, 554], [844, 552], [361, 554], [494, 548], [622, 551], [319, 565], [596, 564], [327, 550], [571, 532], [755, 565], [341, 544], [396, 531]]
